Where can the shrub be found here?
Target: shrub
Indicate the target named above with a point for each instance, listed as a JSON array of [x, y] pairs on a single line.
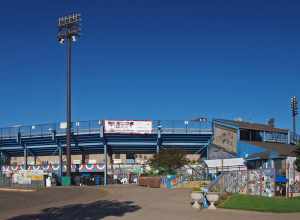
[[167, 161]]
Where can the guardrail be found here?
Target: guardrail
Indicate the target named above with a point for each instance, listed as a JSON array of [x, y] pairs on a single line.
[[94, 126]]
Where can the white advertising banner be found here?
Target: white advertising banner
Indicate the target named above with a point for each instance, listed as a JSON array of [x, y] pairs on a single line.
[[128, 127]]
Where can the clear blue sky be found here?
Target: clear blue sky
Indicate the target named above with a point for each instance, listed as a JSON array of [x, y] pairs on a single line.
[[155, 59]]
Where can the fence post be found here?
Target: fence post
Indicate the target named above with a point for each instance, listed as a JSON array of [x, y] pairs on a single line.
[[237, 182], [288, 180], [247, 182]]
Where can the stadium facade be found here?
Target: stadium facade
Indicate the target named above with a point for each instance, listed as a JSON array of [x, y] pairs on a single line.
[[103, 143]]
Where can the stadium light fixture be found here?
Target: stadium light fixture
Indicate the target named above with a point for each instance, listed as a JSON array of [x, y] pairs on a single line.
[[69, 31], [294, 109]]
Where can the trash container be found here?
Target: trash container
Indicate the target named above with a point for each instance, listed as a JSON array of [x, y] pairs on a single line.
[[97, 180], [65, 180]]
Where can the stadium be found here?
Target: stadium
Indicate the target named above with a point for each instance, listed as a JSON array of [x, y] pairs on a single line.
[[114, 149]]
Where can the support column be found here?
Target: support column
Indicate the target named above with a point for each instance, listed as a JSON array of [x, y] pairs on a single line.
[[60, 160], [1, 160], [207, 152], [158, 142], [19, 137], [7, 159], [83, 157], [105, 151], [105, 163], [25, 157], [157, 148], [111, 161]]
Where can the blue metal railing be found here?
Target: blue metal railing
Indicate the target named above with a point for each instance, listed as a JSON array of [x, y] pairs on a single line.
[[294, 138], [94, 126]]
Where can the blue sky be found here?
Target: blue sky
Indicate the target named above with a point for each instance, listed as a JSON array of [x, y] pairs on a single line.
[[155, 59]]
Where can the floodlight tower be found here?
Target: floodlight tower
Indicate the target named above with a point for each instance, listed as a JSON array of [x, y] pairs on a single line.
[[68, 30], [294, 109]]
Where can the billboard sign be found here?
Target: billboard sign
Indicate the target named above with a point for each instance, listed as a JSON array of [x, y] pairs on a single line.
[[128, 127]]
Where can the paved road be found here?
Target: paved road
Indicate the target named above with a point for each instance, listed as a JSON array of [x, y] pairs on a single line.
[[117, 203]]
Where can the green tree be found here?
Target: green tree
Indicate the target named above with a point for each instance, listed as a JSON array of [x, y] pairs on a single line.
[[168, 160], [297, 162]]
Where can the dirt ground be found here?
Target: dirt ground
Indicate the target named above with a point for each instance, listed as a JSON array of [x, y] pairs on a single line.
[[115, 202]]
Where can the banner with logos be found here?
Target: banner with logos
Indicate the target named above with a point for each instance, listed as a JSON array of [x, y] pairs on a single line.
[[128, 127]]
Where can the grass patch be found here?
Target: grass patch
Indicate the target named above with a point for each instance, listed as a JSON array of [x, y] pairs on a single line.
[[261, 204]]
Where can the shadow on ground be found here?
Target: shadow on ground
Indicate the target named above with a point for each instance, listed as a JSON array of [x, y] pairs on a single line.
[[91, 211]]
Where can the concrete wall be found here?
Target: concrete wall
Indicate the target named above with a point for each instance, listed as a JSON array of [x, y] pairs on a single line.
[[215, 152], [226, 138]]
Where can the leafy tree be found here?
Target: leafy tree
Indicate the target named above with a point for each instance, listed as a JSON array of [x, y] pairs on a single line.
[[297, 162], [168, 160]]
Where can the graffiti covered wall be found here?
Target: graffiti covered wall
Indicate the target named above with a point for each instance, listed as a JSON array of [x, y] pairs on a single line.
[[252, 182]]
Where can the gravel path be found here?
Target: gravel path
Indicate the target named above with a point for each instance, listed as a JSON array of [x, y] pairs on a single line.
[[116, 202]]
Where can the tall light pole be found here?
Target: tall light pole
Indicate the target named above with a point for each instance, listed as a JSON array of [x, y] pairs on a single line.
[[68, 30], [294, 109]]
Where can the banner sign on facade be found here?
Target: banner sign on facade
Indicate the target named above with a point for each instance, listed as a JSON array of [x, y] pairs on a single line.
[[131, 127]]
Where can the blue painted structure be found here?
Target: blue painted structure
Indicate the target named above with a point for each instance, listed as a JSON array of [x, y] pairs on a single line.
[[245, 149], [262, 145], [89, 137]]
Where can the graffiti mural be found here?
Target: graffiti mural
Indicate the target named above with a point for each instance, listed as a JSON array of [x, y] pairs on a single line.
[[226, 138], [252, 182]]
